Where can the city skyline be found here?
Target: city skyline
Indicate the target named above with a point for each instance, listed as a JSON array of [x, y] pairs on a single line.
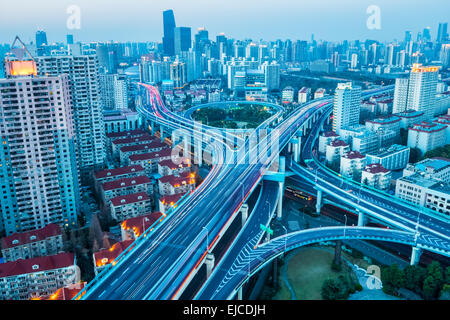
[[144, 21]]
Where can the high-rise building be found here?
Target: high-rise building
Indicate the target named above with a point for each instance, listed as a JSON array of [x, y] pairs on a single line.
[[272, 75], [87, 106], [69, 39], [418, 92], [178, 74], [114, 91], [182, 39], [38, 170], [442, 34], [169, 33], [347, 104], [41, 38]]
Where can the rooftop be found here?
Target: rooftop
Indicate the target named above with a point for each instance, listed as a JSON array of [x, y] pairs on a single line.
[[125, 182], [152, 145], [18, 239], [330, 134], [409, 114], [353, 155], [375, 168], [151, 155], [428, 127], [38, 264], [129, 198], [118, 171], [131, 133], [107, 256], [171, 199], [144, 137], [385, 120], [338, 143], [179, 179], [139, 224]]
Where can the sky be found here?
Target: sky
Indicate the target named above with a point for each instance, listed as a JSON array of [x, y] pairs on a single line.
[[141, 20]]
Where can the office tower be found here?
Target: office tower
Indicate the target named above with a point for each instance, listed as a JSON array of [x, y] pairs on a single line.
[[182, 39], [287, 52], [114, 91], [391, 55], [178, 74], [442, 33], [87, 106], [272, 75], [408, 36], [354, 62], [418, 92], [347, 103], [200, 39], [251, 52], [108, 56], [41, 38], [69, 39], [445, 54], [426, 35], [169, 33], [38, 170], [401, 58]]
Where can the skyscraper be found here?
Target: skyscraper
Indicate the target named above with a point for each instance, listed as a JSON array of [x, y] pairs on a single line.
[[442, 34], [272, 75], [182, 39], [87, 107], [69, 39], [178, 74], [41, 38], [114, 91], [38, 170], [418, 92], [169, 32], [347, 104]]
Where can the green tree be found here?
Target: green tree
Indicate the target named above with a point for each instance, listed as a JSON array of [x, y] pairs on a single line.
[[414, 277], [335, 289], [393, 278]]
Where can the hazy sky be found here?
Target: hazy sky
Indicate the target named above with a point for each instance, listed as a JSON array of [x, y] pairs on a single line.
[[141, 20]]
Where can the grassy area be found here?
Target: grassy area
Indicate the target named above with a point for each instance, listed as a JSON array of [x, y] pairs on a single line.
[[306, 272]]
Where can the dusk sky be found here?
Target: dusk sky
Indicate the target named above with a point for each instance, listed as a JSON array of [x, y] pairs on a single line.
[[141, 20]]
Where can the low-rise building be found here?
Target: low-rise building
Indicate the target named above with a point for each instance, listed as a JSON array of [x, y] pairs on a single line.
[[36, 277], [169, 201], [177, 183], [325, 139], [132, 228], [121, 120], [126, 152], [124, 186], [376, 176], [46, 241], [319, 93], [105, 257], [444, 120], [387, 123], [168, 167], [304, 95], [117, 144], [352, 165], [427, 136], [149, 161], [131, 205], [424, 192], [335, 150], [395, 157], [107, 175], [409, 117], [434, 168]]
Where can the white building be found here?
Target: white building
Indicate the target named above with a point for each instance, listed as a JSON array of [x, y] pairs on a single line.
[[418, 92], [433, 168], [87, 104], [352, 164], [427, 136], [287, 95], [376, 176], [114, 91], [347, 104], [325, 139], [334, 150], [36, 277], [395, 157], [304, 95], [319, 93], [386, 123], [38, 169]]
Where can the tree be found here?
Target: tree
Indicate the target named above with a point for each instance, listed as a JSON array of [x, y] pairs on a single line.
[[430, 288], [414, 277], [335, 289], [336, 265], [414, 155], [393, 278]]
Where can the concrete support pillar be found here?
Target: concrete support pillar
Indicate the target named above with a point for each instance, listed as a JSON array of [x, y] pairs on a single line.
[[186, 145], [239, 295], [361, 219], [244, 213], [296, 152], [319, 201], [162, 133], [415, 255], [209, 261], [275, 272], [152, 128], [199, 153], [280, 201]]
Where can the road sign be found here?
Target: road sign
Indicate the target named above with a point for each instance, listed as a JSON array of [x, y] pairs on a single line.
[[267, 229]]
